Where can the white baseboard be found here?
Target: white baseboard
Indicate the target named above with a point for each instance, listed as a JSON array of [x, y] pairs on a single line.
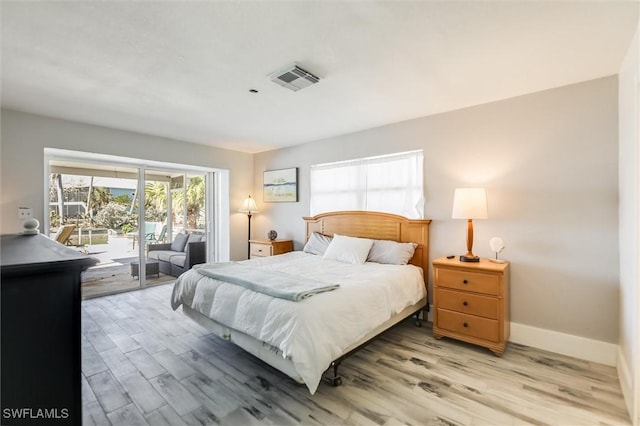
[[565, 344], [626, 382], [561, 343]]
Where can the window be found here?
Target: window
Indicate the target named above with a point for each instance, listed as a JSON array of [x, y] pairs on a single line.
[[388, 183]]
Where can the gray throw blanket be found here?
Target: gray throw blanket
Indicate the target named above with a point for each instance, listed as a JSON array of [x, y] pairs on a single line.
[[272, 283]]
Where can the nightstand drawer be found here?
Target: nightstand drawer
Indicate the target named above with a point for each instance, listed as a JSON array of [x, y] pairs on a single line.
[[469, 325], [260, 250], [467, 303], [468, 281]]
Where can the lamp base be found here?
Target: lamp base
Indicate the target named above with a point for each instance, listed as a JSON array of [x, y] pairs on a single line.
[[469, 259]]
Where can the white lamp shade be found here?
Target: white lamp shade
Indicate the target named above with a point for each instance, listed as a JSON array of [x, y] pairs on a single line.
[[249, 206], [470, 203]]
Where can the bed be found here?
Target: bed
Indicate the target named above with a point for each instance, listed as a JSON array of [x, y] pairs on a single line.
[[304, 336]]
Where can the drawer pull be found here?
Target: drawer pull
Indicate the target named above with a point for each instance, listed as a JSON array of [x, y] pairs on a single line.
[[465, 325], [465, 282], [259, 250], [465, 303]]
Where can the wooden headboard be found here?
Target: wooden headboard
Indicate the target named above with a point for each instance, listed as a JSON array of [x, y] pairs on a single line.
[[378, 226]]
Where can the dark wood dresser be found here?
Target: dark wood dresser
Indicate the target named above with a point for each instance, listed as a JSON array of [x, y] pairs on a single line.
[[40, 323]]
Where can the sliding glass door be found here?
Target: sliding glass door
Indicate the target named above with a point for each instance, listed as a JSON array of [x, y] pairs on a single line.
[[127, 218]]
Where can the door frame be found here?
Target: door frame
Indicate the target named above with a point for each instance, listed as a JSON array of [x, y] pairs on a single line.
[[217, 227]]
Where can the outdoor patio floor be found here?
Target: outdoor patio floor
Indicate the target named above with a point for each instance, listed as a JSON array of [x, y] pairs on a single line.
[[113, 272]]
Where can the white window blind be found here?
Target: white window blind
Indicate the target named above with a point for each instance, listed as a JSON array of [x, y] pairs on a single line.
[[388, 183]]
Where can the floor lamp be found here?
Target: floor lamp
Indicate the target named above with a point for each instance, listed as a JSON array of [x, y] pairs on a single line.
[[469, 203], [249, 207]]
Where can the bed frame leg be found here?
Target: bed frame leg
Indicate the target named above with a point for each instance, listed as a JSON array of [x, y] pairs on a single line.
[[336, 380]]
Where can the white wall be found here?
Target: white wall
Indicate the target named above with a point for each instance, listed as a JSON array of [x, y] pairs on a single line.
[[549, 163], [24, 137], [629, 212]]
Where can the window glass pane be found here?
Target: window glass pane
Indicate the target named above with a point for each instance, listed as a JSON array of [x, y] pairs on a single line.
[[391, 183]]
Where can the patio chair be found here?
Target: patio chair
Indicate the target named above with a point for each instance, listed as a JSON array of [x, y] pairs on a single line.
[[162, 235], [150, 233], [64, 233], [151, 236]]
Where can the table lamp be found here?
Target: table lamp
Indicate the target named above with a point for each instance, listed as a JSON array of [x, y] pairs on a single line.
[[469, 203]]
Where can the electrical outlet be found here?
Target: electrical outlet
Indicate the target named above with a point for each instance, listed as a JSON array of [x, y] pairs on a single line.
[[25, 213]]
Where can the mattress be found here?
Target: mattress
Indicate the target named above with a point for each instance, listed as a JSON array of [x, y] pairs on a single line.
[[313, 332]]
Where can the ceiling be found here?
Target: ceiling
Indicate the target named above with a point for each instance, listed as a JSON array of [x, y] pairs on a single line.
[[184, 69]]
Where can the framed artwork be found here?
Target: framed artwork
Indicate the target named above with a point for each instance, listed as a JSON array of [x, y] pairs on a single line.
[[280, 185]]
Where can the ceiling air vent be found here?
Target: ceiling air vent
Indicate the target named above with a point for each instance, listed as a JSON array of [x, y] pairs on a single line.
[[293, 77]]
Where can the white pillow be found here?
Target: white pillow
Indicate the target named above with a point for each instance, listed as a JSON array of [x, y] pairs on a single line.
[[317, 244], [348, 249], [391, 252]]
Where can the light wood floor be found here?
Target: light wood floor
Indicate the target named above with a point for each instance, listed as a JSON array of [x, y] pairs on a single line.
[[146, 364], [99, 281], [112, 274]]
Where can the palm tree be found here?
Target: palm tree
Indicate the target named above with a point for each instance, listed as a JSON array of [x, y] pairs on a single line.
[[195, 200], [55, 186], [100, 197], [155, 196]]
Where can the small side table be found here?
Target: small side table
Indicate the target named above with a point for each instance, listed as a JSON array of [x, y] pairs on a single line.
[[264, 248], [151, 268]]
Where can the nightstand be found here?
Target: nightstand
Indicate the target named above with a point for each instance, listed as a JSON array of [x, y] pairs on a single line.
[[263, 248], [471, 302]]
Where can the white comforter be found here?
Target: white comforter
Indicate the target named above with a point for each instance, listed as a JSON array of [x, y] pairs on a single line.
[[314, 331]]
